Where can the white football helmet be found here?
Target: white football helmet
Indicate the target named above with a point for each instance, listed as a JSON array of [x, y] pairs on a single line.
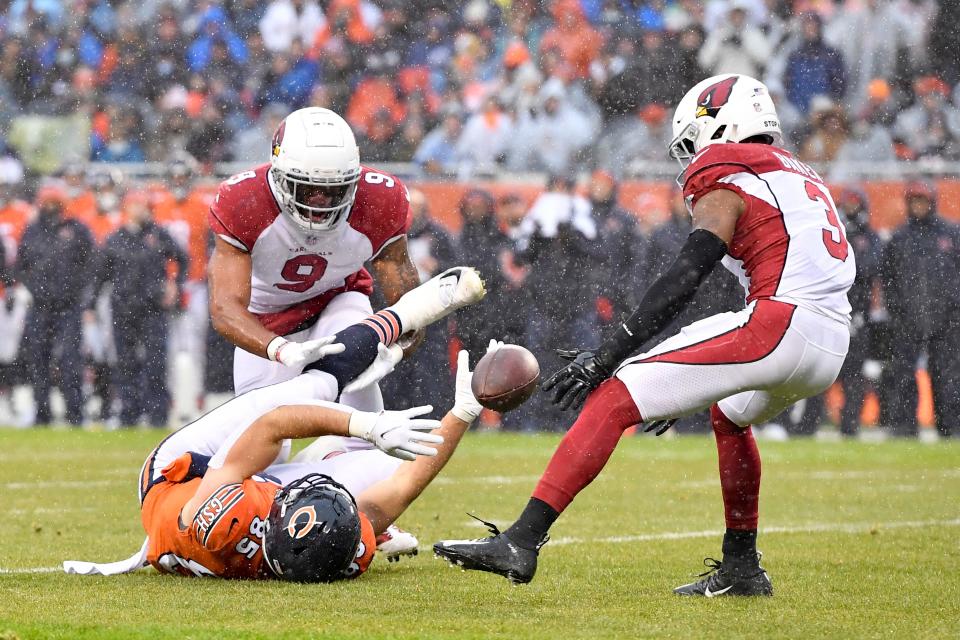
[[315, 168], [724, 108]]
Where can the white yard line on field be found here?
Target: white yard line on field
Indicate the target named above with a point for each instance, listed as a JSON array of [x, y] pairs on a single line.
[[834, 527], [827, 527]]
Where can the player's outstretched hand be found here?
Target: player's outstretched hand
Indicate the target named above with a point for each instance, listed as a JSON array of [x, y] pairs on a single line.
[[572, 384], [297, 355], [398, 433], [465, 405], [382, 366]]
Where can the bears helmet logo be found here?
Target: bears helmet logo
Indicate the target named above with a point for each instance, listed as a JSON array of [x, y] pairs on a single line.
[[715, 96], [297, 530]]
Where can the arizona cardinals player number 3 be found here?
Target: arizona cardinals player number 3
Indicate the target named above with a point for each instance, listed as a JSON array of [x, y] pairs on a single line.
[[770, 220]]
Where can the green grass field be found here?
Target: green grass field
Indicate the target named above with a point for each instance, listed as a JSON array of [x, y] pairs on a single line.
[[862, 541]]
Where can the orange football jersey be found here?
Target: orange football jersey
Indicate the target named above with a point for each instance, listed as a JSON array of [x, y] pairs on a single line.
[[225, 537]]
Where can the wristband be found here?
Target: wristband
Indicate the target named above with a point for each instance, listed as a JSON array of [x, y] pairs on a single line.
[[464, 415], [274, 346], [361, 424]]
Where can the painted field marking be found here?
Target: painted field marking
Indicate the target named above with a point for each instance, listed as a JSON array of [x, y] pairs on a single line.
[[836, 527]]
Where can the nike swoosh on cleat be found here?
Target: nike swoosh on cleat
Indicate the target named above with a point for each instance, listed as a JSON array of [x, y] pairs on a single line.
[[711, 594]]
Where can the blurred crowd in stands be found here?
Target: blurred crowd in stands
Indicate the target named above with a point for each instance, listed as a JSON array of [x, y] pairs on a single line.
[[472, 87], [105, 294]]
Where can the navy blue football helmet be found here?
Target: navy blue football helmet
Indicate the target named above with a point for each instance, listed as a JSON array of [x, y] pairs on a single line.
[[313, 530]]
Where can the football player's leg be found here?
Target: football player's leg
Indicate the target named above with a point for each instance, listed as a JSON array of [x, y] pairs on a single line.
[[343, 311]]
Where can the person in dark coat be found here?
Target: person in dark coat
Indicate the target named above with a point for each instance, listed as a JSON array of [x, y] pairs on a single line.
[[623, 251], [425, 376], [53, 263], [720, 291], [560, 243], [918, 272], [135, 259], [482, 244], [867, 246]]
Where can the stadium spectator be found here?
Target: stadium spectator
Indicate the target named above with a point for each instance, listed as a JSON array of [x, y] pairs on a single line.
[[735, 46], [624, 250], [560, 243], [872, 37], [931, 127], [483, 244], [380, 139], [918, 273], [286, 21], [813, 68], [437, 153], [252, 144], [829, 132], [550, 137], [577, 43], [424, 377], [53, 263], [485, 139], [854, 208], [642, 136], [135, 260]]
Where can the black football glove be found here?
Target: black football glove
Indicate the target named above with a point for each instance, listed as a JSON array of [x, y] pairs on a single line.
[[660, 426], [574, 382]]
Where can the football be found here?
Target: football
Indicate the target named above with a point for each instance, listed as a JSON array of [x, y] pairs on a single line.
[[505, 378]]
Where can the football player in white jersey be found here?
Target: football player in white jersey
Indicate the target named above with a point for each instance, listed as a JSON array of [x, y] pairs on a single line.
[[770, 219], [293, 240]]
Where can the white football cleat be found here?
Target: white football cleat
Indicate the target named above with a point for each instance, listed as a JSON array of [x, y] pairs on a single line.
[[438, 297], [395, 542]]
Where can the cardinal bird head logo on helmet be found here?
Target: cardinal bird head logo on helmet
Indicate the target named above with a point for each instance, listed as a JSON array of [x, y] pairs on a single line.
[[715, 96], [278, 138]]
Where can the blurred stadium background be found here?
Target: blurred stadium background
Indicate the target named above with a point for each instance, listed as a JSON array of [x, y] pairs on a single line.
[[125, 110]]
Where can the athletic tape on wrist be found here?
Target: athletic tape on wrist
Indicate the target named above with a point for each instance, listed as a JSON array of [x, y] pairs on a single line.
[[274, 346]]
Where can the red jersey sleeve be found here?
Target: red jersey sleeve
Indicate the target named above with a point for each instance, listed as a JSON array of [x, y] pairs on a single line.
[[381, 210], [718, 161], [243, 208]]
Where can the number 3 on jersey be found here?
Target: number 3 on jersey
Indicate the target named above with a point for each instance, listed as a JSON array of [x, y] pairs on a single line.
[[301, 272], [838, 248]]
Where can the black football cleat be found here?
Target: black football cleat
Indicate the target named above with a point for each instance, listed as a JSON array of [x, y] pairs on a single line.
[[748, 579], [497, 554]]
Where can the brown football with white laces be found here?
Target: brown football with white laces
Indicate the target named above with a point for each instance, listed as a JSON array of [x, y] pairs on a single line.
[[505, 378]]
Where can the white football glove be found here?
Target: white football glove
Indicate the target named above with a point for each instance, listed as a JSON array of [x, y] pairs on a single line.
[[297, 355], [465, 405], [397, 433], [382, 366]]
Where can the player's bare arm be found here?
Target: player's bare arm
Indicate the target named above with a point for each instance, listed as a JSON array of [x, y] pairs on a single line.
[[395, 432], [715, 217], [395, 274], [229, 275], [386, 500]]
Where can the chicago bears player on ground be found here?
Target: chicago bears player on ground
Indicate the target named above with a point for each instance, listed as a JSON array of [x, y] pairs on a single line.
[[293, 237], [219, 499], [772, 222]]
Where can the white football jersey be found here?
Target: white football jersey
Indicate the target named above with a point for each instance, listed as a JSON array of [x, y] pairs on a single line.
[[789, 244], [296, 273]]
